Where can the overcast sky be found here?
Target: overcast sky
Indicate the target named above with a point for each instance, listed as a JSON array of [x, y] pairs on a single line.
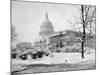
[[28, 17]]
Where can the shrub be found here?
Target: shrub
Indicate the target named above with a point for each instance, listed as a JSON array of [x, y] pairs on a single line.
[[23, 56], [58, 51], [34, 56], [40, 54], [47, 54], [13, 55], [67, 50]]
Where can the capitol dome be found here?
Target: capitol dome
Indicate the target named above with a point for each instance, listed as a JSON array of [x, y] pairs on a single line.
[[46, 27]]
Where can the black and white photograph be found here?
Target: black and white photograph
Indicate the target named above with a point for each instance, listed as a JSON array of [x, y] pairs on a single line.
[[52, 37]]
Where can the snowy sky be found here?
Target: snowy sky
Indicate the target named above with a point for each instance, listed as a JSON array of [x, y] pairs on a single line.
[[28, 17]]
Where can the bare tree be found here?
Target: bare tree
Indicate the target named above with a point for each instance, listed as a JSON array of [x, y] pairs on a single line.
[[13, 33], [87, 21]]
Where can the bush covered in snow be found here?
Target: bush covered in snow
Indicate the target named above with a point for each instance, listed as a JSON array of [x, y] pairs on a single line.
[[13, 55], [23, 56]]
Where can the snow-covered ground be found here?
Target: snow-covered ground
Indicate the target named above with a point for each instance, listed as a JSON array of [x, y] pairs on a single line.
[[59, 58]]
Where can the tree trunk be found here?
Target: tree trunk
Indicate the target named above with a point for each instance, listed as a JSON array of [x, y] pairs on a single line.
[[82, 46], [83, 40], [83, 37]]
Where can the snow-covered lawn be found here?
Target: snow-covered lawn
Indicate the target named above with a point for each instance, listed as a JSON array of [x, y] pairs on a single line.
[[58, 58], [74, 59]]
